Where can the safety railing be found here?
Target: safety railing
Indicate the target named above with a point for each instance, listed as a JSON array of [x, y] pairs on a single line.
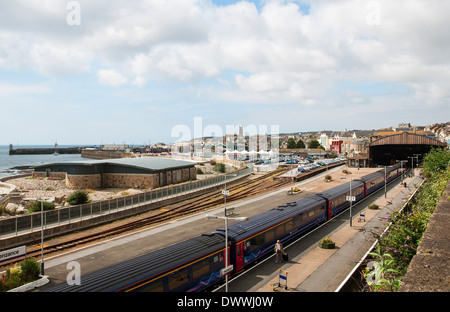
[[18, 225]]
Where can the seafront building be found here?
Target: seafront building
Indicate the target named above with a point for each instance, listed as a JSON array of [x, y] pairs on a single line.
[[143, 173]]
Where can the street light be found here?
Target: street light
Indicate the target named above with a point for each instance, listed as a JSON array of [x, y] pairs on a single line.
[[351, 198], [42, 228], [401, 167], [226, 268], [417, 158]]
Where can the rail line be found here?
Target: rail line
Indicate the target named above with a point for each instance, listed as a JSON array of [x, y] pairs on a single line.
[[237, 191]]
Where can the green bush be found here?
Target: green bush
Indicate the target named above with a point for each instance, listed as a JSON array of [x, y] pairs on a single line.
[[35, 206], [220, 168], [78, 198], [28, 271]]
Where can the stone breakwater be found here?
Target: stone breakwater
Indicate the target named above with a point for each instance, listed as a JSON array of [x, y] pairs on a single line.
[[47, 188]]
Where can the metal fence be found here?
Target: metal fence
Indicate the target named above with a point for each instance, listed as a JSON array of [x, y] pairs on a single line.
[[32, 222]]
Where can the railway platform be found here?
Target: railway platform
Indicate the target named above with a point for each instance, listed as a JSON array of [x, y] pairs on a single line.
[[112, 251], [115, 250], [326, 270]]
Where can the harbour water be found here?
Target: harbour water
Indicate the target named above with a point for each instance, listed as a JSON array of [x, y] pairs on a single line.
[[15, 164]]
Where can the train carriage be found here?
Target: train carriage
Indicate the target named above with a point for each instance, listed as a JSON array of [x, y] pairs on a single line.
[[336, 197], [192, 265], [373, 182], [254, 239]]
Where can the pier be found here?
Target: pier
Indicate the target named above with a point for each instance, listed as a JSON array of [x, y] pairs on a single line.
[[46, 150]]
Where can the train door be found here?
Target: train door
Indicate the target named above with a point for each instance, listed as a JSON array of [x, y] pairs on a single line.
[[239, 257], [329, 203]]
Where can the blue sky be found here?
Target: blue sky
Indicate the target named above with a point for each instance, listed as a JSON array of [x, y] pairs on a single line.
[[131, 71]]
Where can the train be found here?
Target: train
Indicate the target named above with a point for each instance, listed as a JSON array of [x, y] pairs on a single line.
[[197, 264]]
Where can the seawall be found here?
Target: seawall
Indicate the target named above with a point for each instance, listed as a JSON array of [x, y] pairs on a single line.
[[38, 151]]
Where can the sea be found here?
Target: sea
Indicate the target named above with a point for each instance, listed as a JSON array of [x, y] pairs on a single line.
[[16, 164]]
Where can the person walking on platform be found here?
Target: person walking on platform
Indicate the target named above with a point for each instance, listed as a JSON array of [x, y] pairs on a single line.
[[279, 251]]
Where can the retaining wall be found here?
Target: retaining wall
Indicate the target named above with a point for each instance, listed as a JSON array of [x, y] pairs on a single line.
[[428, 270]]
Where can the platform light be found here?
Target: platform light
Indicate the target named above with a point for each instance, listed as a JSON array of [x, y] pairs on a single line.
[[227, 268], [42, 228]]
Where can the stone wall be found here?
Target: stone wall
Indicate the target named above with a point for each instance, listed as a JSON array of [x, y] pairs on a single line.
[[41, 174], [121, 180], [428, 270], [91, 181], [124, 180]]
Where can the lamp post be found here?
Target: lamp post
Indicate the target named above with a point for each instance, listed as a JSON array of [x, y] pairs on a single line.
[[417, 158], [351, 199], [412, 164], [351, 202], [42, 228], [401, 167], [227, 268]]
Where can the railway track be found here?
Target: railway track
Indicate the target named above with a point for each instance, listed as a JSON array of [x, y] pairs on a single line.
[[237, 191]]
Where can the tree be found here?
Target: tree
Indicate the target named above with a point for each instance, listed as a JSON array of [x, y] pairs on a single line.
[[300, 144], [314, 144], [436, 161], [291, 143]]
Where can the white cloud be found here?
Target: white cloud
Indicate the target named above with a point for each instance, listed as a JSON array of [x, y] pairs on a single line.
[[7, 89], [110, 77], [272, 53]]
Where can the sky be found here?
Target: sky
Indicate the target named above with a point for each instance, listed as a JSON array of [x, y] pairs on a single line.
[[136, 71]]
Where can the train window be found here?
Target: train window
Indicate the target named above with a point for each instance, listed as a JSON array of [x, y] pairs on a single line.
[[289, 225], [178, 278], [279, 231], [258, 240], [154, 287], [270, 235], [311, 213], [200, 268]]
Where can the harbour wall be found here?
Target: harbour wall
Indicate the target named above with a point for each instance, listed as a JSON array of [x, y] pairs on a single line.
[[40, 151]]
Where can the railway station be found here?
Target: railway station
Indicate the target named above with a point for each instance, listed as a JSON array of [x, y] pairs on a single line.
[[393, 148], [110, 252]]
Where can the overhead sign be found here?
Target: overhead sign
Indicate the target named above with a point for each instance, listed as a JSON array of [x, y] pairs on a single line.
[[12, 253], [350, 198]]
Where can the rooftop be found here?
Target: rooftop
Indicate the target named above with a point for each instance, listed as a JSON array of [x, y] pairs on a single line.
[[147, 163]]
